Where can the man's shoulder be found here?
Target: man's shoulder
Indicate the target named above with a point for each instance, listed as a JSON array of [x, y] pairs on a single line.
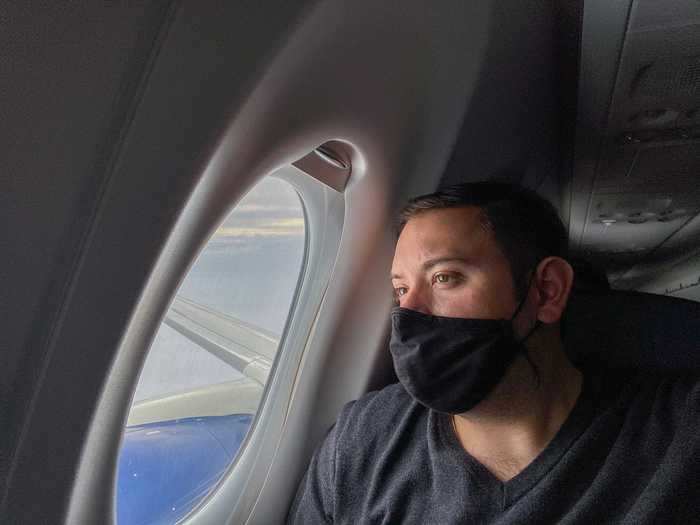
[[375, 413], [670, 382], [379, 404], [672, 397], [672, 389], [681, 386]]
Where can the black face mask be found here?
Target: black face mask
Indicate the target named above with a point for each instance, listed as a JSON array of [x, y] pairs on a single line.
[[451, 364]]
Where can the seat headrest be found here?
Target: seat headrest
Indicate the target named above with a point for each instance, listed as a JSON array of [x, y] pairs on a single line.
[[632, 330]]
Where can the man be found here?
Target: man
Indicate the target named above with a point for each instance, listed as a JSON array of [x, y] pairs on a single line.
[[491, 422]]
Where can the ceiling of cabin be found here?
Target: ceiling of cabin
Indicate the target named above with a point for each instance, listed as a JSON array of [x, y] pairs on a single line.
[[635, 199]]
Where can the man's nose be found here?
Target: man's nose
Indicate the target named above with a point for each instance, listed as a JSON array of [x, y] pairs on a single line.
[[415, 299]]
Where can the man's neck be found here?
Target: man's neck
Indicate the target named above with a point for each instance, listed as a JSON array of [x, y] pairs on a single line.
[[510, 428]]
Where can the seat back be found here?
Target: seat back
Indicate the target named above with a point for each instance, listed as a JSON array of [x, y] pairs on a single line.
[[633, 330]]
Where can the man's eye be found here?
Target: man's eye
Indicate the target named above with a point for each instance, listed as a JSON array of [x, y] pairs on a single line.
[[442, 278], [401, 290], [445, 278]]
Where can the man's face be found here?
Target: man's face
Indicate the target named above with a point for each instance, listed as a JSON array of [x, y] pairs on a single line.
[[448, 264]]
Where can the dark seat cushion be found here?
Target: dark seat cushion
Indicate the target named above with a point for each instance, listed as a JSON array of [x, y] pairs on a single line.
[[633, 330]]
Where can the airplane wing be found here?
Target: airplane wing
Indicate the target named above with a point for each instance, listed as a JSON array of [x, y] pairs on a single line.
[[247, 348]]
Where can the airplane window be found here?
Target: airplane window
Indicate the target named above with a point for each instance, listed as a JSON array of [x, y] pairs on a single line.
[[206, 370]]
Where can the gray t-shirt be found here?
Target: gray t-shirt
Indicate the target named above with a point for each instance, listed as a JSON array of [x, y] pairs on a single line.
[[629, 452]]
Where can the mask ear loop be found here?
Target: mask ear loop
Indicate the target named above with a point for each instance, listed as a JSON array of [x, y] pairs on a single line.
[[520, 307], [537, 324], [522, 301]]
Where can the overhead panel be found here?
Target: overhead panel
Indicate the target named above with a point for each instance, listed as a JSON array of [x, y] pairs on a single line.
[[645, 191]]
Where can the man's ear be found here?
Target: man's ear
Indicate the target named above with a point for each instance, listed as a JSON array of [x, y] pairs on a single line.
[[554, 277]]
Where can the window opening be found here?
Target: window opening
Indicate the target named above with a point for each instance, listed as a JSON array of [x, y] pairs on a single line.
[[207, 368]]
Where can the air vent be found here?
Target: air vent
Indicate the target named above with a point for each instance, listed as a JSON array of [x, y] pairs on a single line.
[[659, 135], [651, 118], [669, 78], [641, 217]]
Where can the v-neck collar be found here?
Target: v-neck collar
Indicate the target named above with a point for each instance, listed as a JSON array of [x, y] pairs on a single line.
[[574, 425]]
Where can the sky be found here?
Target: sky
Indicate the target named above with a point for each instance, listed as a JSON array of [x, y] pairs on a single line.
[[248, 270], [271, 209]]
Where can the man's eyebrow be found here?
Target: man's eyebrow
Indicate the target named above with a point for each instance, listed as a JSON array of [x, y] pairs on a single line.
[[430, 263]]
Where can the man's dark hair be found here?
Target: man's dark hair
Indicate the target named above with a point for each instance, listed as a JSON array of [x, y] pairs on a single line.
[[526, 227]]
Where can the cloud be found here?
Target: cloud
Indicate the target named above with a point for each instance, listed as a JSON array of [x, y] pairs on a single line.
[[283, 227], [255, 214], [267, 208]]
